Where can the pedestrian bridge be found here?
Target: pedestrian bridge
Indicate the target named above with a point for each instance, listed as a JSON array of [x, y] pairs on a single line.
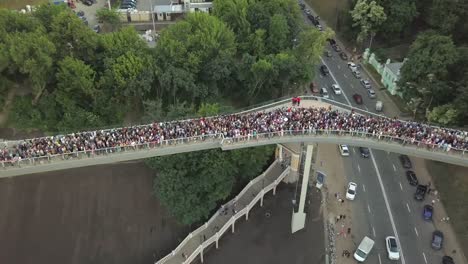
[[181, 145]]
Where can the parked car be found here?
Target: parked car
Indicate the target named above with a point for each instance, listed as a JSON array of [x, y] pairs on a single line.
[[366, 84], [437, 240], [357, 98], [344, 56], [427, 212], [357, 74], [336, 47], [328, 53], [324, 70], [405, 161], [352, 66], [80, 13], [420, 192], [331, 41], [97, 28], [319, 27], [302, 5], [351, 191], [344, 150], [393, 250], [412, 179], [324, 93], [336, 88], [314, 88], [371, 93], [447, 260], [365, 153], [88, 2]]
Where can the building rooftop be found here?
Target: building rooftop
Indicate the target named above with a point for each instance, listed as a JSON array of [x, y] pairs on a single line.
[[395, 67]]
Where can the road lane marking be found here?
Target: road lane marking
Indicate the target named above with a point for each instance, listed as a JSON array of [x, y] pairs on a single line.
[[364, 187], [345, 76], [425, 259], [416, 231], [387, 204], [354, 150], [339, 67], [394, 168], [358, 168], [368, 208], [401, 186], [352, 86], [380, 260], [373, 231], [407, 206], [367, 109], [334, 79]]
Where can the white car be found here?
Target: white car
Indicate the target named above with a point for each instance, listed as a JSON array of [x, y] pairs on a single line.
[[392, 248], [336, 88], [344, 150], [371, 93], [352, 66], [351, 192]]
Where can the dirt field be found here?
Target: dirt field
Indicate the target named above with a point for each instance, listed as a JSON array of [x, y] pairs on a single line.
[[102, 214]]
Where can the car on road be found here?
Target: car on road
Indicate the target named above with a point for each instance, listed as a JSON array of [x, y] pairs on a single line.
[[344, 150], [392, 248], [352, 66], [336, 47], [328, 53], [336, 88], [420, 192], [357, 98], [314, 88], [97, 28], [447, 260], [332, 41], [302, 5], [405, 161], [351, 191], [371, 93], [344, 56], [366, 84], [437, 240], [324, 70], [88, 2], [324, 93], [427, 212], [80, 13], [363, 249], [412, 179], [319, 27], [365, 153]]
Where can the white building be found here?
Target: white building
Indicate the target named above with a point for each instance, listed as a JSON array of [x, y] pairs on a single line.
[[171, 9]]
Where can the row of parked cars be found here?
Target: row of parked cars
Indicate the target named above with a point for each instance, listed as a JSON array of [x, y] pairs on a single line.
[[427, 214]]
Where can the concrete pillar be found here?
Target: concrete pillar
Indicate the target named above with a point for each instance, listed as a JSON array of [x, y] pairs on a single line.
[[217, 240], [299, 217], [295, 162], [201, 255], [274, 189], [261, 199], [247, 215], [279, 152], [233, 227]]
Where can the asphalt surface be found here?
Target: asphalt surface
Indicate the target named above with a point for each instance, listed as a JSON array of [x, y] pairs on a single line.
[[384, 204]]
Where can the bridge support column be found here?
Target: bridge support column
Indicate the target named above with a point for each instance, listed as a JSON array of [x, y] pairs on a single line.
[[299, 217], [261, 198], [279, 152], [247, 215], [217, 240], [201, 255], [293, 174], [233, 227]]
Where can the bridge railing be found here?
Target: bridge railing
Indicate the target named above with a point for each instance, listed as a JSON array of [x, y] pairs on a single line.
[[219, 138], [185, 252]]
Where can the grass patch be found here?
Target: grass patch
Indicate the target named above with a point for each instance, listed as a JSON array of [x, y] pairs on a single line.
[[20, 4], [452, 183]]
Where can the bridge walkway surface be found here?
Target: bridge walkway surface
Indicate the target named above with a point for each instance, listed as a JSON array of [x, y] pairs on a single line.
[[180, 145], [225, 218]]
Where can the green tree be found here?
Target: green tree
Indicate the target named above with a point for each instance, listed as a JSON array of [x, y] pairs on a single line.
[[445, 115], [444, 15], [400, 14], [278, 33], [109, 18], [429, 59], [368, 16]]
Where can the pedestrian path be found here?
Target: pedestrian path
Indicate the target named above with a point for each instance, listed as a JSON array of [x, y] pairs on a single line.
[[197, 242]]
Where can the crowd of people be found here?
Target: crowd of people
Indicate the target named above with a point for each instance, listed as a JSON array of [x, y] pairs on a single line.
[[248, 125]]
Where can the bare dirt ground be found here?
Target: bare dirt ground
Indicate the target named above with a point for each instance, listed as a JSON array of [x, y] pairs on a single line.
[[101, 214]]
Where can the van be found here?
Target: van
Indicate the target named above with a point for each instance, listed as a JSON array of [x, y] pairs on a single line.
[[364, 249], [379, 106], [324, 92]]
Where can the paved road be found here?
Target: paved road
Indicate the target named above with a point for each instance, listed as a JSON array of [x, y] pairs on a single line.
[[384, 205]]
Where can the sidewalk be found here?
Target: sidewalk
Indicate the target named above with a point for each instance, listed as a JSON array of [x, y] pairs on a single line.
[[450, 239], [335, 183]]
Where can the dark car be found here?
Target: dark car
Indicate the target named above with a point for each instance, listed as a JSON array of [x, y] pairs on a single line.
[[331, 41], [302, 5], [80, 13], [324, 70], [311, 18], [447, 260], [427, 212], [336, 47], [365, 153], [405, 161], [88, 2], [357, 98], [437, 240], [412, 179], [420, 192], [344, 56]]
